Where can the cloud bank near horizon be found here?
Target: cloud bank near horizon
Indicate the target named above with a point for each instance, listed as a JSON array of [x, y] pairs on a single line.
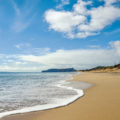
[[79, 59], [82, 22]]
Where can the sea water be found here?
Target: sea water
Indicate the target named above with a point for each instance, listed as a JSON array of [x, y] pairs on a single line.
[[26, 92]]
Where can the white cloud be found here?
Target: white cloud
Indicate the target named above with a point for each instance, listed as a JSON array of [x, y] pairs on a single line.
[[116, 46], [80, 7], [63, 3], [82, 22], [62, 21], [100, 17], [79, 59], [109, 2], [88, 58]]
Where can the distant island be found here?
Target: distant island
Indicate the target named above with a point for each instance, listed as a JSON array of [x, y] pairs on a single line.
[[114, 68], [60, 70]]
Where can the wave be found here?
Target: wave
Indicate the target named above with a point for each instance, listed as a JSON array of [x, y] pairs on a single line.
[[57, 103]]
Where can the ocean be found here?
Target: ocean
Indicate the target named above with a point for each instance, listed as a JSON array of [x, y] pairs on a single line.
[[26, 92]]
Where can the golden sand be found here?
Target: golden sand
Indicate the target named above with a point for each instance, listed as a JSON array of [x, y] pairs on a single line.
[[100, 102]]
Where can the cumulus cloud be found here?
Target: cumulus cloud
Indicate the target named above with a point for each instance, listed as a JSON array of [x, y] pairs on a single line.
[[81, 21], [62, 21], [100, 17]]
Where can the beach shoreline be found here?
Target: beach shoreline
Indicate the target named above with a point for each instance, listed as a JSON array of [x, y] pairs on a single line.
[[102, 101]]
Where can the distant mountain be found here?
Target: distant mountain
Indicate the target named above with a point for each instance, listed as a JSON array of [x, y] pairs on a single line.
[[60, 70]]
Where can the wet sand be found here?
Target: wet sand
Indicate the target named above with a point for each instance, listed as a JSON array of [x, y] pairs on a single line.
[[100, 102]]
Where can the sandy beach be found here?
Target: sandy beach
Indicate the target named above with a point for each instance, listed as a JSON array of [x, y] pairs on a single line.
[[100, 102]]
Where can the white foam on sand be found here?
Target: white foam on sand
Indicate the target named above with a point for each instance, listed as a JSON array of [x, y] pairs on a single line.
[[57, 103]]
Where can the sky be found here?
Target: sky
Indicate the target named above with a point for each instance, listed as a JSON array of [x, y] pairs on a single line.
[[42, 34]]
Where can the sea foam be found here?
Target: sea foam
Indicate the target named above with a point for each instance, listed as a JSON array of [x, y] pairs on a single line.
[[58, 102]]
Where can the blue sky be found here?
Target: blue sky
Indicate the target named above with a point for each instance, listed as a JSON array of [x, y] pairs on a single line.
[[41, 34]]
